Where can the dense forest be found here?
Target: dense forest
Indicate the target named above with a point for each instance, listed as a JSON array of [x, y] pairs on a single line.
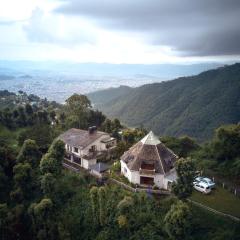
[[39, 199], [192, 106]]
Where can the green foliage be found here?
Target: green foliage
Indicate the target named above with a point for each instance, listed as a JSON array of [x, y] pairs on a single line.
[[24, 181], [125, 205], [94, 203], [48, 184], [29, 153], [182, 146], [48, 165], [51, 162], [222, 154], [78, 107], [43, 209], [3, 215], [42, 134], [22, 175], [122, 146], [177, 221], [186, 172], [133, 135], [122, 221], [116, 167], [48, 202], [102, 205]]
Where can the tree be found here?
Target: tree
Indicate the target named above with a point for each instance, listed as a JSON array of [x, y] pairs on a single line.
[[57, 150], [43, 117], [29, 153], [121, 148], [23, 181], [107, 126], [41, 133], [102, 205], [52, 115], [22, 119], [3, 218], [226, 143], [177, 221], [186, 172], [125, 205], [182, 146], [78, 103], [41, 215], [51, 162], [48, 184], [124, 209], [94, 203], [79, 111], [29, 110]]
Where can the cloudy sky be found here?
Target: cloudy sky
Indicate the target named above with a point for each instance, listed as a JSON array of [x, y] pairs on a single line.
[[126, 31]]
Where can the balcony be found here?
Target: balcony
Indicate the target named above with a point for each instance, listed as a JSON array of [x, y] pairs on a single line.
[[147, 169], [72, 157]]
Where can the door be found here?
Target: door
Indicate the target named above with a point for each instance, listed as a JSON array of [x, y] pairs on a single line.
[[147, 180]]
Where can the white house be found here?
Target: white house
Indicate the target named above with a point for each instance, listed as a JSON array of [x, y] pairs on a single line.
[[85, 147], [149, 162]]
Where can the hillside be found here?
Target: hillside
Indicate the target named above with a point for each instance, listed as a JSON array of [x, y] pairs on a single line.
[[191, 106], [100, 98]]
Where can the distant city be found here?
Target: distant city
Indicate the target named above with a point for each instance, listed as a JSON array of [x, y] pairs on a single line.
[[57, 81]]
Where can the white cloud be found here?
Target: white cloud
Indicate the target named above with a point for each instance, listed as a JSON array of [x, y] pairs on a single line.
[[57, 29], [37, 32]]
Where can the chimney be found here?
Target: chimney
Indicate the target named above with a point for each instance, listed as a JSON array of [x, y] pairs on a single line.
[[92, 129]]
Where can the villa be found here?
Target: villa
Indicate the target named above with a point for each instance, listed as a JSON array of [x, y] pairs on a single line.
[[85, 147], [149, 162]]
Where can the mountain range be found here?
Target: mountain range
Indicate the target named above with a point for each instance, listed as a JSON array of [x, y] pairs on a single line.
[[192, 106]]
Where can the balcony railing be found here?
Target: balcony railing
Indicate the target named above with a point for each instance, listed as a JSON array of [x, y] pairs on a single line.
[[147, 171]]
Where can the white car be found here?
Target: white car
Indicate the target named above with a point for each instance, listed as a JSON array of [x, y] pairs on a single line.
[[202, 187], [209, 182], [205, 180]]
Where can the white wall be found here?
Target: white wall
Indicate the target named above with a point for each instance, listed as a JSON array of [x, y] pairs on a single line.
[[159, 181], [134, 176], [87, 163], [100, 146]]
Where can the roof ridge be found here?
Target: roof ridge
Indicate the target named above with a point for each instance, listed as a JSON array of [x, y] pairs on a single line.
[[150, 139], [160, 159]]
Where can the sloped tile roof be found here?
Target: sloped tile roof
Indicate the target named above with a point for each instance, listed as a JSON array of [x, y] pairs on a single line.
[[150, 151], [80, 138]]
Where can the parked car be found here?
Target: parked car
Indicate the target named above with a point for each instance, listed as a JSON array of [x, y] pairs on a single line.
[[197, 180], [202, 187], [209, 182], [205, 180]]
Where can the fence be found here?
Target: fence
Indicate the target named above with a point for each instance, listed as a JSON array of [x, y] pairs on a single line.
[[214, 211], [224, 183], [147, 190]]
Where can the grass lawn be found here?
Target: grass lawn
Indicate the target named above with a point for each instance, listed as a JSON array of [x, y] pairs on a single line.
[[220, 200]]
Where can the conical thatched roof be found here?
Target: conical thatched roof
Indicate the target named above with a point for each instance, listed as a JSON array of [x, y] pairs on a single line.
[[150, 150]]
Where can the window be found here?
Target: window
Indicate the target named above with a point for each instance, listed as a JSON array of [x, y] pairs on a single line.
[[93, 148], [75, 149]]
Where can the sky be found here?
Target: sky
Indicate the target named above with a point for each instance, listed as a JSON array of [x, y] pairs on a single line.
[[126, 31]]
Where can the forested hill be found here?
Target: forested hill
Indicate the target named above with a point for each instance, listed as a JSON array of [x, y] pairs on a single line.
[[191, 106]]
